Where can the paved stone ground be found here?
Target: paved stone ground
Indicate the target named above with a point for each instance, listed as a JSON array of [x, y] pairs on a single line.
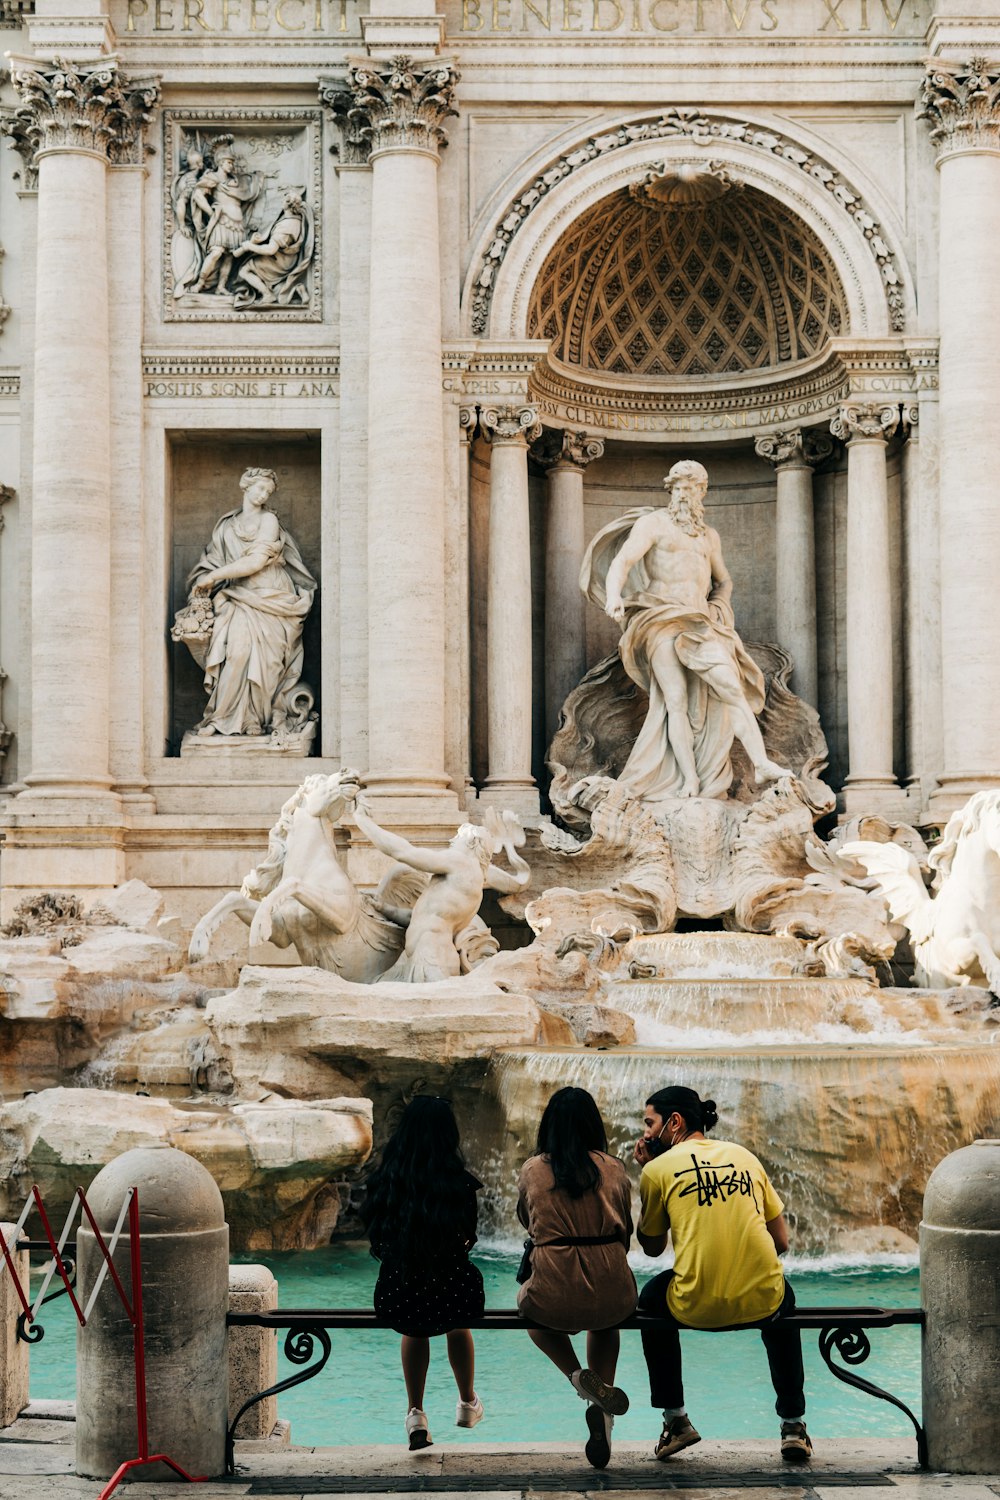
[[36, 1463]]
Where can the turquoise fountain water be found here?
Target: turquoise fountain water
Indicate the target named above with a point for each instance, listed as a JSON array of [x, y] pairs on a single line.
[[359, 1398]]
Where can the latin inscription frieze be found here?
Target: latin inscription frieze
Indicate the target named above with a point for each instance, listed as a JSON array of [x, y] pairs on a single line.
[[241, 390], [596, 19]]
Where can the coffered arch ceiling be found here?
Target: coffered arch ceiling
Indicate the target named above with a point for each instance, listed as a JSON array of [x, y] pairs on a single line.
[[733, 286]]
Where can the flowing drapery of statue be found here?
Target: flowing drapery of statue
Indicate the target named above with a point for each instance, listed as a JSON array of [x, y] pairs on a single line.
[[660, 573], [250, 593]]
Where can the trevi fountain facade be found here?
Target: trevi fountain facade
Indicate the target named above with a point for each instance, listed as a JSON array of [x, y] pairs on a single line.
[[498, 586]]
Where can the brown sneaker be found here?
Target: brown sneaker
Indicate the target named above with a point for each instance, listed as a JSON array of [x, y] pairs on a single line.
[[796, 1447], [678, 1433], [590, 1387]]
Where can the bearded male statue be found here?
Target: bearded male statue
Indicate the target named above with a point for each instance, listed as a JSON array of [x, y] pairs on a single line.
[[660, 574]]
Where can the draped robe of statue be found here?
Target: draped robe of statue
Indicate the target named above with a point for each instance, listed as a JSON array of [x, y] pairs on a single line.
[[702, 638], [254, 659]]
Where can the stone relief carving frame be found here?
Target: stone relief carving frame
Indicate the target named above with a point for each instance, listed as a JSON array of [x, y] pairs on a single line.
[[243, 123]]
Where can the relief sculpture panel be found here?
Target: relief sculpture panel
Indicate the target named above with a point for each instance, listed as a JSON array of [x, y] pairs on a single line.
[[242, 215]]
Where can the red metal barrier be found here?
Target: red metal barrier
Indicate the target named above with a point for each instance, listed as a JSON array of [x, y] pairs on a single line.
[[132, 1306]]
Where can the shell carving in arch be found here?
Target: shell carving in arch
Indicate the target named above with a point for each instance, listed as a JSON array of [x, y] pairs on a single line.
[[702, 129]]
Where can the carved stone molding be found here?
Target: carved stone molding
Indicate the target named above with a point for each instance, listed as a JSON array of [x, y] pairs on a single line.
[[794, 448], [567, 449], [468, 421], [510, 424], [402, 103], [352, 122], [72, 106], [865, 421], [685, 186], [14, 12], [911, 421], [961, 103], [7, 493], [702, 130]]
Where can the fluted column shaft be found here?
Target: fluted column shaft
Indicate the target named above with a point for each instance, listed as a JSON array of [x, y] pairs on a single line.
[[405, 106], [76, 115], [963, 107], [565, 605], [508, 611], [870, 783], [793, 455]]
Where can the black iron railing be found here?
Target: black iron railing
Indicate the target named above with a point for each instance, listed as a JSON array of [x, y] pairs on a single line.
[[842, 1331]]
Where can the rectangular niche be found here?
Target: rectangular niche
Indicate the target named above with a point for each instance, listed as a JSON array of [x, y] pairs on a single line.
[[205, 470], [231, 177]]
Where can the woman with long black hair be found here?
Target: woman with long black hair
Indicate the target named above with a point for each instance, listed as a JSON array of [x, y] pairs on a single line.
[[574, 1200], [420, 1213]]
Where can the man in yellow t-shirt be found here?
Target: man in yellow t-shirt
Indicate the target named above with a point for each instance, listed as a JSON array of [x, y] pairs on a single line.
[[715, 1201]]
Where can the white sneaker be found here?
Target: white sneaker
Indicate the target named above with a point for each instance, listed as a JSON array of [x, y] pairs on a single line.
[[468, 1413], [417, 1430]]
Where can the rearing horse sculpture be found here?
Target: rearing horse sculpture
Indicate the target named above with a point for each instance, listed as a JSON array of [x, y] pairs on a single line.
[[301, 894], [956, 933]]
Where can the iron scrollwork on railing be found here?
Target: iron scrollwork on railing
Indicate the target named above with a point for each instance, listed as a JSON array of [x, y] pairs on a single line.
[[300, 1346], [32, 1332], [854, 1346]]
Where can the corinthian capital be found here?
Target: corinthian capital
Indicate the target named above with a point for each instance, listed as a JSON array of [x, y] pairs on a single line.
[[865, 419], [961, 103], [68, 106], [567, 449], [510, 424], [794, 448], [402, 102], [355, 132]]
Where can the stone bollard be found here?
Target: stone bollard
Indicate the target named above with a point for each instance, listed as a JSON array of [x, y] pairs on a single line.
[[13, 1353], [960, 1295], [184, 1241], [253, 1352]]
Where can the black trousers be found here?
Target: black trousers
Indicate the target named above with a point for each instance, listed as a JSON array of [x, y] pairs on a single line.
[[661, 1344]]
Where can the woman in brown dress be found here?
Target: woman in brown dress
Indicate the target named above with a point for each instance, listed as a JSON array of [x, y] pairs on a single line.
[[574, 1200]]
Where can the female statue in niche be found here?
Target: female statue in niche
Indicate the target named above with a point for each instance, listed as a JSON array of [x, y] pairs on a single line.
[[250, 594]]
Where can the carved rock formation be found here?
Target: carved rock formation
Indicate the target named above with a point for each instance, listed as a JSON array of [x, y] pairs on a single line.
[[272, 1160]]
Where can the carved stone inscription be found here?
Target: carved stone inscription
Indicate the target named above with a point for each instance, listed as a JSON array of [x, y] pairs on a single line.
[[242, 220]]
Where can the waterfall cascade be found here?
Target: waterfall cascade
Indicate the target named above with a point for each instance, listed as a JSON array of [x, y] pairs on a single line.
[[849, 1094]]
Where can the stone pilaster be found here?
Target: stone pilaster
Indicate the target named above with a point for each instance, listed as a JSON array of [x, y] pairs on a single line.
[[355, 181], [565, 457], [75, 118], [794, 455], [961, 103], [866, 428], [508, 622], [398, 110]]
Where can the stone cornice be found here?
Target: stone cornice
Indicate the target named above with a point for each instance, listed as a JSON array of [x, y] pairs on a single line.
[[75, 106], [961, 103], [401, 104]]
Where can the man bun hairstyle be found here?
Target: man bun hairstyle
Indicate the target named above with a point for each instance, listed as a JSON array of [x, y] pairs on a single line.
[[697, 1114]]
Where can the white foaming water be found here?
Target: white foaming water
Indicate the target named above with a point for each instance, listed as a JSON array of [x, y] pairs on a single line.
[[702, 1038], [844, 1263]]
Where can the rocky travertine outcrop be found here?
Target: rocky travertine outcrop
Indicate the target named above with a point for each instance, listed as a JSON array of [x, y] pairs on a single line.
[[277, 1162], [306, 1033]]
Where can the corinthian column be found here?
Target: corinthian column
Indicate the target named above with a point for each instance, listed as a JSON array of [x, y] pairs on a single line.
[[870, 786], [962, 106], [508, 609], [794, 455], [565, 634], [78, 117], [400, 108]]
